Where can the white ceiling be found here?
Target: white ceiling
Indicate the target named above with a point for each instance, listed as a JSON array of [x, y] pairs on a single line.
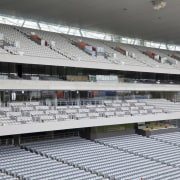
[[139, 20]]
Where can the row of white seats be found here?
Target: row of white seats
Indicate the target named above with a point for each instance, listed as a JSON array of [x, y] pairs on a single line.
[[28, 47], [4, 176], [63, 44], [106, 161], [120, 59], [170, 138], [27, 112], [168, 106], [146, 60], [147, 148], [26, 165]]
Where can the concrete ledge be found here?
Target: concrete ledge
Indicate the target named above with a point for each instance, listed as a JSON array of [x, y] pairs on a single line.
[[83, 123], [84, 64], [84, 86]]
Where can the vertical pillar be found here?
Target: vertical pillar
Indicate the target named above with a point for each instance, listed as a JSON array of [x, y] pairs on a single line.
[[17, 139], [178, 123]]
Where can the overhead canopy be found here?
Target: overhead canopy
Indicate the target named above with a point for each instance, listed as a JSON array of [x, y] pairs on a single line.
[[132, 18]]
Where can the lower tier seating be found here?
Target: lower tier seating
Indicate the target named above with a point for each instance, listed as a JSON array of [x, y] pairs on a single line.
[[23, 164], [4, 176], [110, 162], [170, 138], [145, 147]]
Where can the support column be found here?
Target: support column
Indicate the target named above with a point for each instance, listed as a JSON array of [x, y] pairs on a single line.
[[178, 123], [17, 139]]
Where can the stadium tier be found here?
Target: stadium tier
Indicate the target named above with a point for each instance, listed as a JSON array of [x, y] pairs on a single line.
[[89, 90], [36, 43], [169, 138], [25, 165], [27, 115], [29, 54], [109, 161], [120, 157], [33, 112], [77, 158]]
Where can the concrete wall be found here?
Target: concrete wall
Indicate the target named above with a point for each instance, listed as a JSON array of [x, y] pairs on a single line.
[[70, 85], [111, 134], [83, 64]]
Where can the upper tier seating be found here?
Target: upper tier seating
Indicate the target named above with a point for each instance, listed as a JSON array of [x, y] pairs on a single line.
[[174, 55], [62, 47], [164, 55], [121, 59], [160, 53], [104, 160], [139, 56], [27, 46]]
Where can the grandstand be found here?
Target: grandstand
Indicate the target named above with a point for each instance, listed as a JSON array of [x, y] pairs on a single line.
[[89, 90]]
